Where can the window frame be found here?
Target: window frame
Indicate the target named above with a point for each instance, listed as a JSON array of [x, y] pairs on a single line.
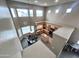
[[30, 13], [27, 15], [13, 12]]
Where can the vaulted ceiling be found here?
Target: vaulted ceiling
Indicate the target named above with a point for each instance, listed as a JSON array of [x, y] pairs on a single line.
[[45, 2]]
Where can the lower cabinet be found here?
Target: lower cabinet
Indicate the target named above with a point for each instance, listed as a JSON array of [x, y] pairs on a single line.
[[58, 44]]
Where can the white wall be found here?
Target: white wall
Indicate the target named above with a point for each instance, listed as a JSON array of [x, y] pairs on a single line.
[[27, 20], [62, 18], [9, 42]]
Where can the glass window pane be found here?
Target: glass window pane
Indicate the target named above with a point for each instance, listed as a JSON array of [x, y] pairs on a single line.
[[32, 29], [26, 29], [19, 32], [31, 13], [39, 13], [13, 12], [22, 12]]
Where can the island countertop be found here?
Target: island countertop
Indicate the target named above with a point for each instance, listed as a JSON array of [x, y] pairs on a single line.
[[38, 50], [64, 32]]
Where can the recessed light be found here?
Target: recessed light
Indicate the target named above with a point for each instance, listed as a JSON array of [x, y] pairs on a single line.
[[35, 1], [57, 11], [69, 10], [45, 4], [56, 0]]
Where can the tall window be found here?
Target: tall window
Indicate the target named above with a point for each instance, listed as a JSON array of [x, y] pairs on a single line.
[[22, 12], [39, 13], [31, 13], [13, 12]]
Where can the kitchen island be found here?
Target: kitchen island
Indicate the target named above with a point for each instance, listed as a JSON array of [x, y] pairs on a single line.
[[60, 38]]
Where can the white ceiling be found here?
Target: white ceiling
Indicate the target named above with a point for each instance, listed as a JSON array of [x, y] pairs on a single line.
[[45, 2]]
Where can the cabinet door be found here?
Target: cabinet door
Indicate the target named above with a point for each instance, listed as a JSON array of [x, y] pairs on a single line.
[[58, 44]]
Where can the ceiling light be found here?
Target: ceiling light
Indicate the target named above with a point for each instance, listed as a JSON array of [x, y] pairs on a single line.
[[45, 4], [69, 10], [57, 11], [56, 0], [35, 1], [49, 11]]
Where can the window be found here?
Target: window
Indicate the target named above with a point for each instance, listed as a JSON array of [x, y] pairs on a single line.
[[69, 10], [28, 29], [77, 42], [32, 29], [31, 13], [39, 13], [57, 11], [13, 12], [22, 12], [19, 32]]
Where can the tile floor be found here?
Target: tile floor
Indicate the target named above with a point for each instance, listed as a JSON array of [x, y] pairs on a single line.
[[67, 54]]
